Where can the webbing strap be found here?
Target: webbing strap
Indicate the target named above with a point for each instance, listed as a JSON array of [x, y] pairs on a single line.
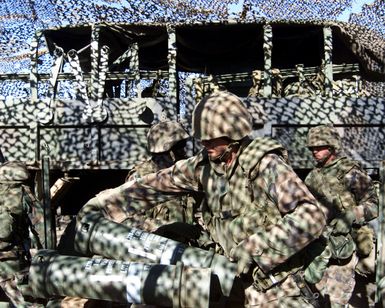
[[80, 85]]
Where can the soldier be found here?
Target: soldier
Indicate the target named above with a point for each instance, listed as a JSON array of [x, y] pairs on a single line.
[[349, 199], [166, 142], [176, 218], [20, 215], [258, 211]]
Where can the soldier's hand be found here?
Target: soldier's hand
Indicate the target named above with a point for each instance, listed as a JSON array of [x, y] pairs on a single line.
[[243, 258], [342, 224], [179, 231]]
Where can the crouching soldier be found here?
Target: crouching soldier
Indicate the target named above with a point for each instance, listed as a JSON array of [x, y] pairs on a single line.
[[258, 212], [176, 219], [20, 218]]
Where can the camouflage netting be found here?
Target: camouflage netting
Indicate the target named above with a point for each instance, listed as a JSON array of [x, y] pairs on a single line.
[[20, 18]]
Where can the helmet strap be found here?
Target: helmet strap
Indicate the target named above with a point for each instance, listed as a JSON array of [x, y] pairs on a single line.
[[323, 161], [173, 156], [226, 153]]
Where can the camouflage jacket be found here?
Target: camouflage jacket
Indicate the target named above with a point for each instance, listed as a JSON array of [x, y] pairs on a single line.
[[342, 185], [179, 209], [258, 201], [22, 216], [22, 224]]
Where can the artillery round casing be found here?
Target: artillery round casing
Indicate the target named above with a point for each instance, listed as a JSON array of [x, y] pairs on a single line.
[[52, 274]]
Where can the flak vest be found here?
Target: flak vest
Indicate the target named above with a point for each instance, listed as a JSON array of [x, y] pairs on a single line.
[[236, 207], [327, 185], [14, 227]]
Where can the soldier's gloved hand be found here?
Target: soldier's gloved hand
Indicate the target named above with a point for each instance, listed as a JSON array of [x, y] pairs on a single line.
[[179, 231], [243, 258], [342, 224]]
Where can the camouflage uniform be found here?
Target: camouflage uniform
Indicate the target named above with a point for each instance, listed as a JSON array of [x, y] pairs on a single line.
[[348, 197], [162, 139], [257, 208], [173, 218], [20, 214]]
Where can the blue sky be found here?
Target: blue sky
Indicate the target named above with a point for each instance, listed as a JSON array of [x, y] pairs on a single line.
[[344, 16], [356, 9]]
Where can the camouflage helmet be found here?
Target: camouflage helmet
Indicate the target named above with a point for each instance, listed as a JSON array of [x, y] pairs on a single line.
[[13, 171], [324, 135], [221, 114], [164, 135]]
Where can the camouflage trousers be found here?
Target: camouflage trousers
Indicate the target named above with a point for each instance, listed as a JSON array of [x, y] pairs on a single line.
[[15, 297], [284, 294], [338, 282], [9, 283]]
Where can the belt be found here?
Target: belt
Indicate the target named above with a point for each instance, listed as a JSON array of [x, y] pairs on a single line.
[[306, 292], [226, 214], [9, 255]]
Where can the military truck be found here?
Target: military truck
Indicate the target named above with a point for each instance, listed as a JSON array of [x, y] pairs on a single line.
[[85, 120]]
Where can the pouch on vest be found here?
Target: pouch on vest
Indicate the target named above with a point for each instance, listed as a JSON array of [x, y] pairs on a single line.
[[6, 226], [341, 246], [364, 239], [12, 226], [318, 254], [264, 281]]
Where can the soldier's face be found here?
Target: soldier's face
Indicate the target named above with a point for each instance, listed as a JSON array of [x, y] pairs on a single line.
[[179, 150], [215, 147], [320, 153]]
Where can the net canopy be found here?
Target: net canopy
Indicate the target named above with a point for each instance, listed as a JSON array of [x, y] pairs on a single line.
[[361, 22], [356, 29]]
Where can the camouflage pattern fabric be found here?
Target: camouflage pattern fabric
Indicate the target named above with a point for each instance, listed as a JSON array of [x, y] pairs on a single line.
[[13, 293], [12, 286], [14, 227], [164, 135], [36, 218], [343, 186], [170, 218], [13, 172], [178, 210], [20, 213], [324, 135], [25, 214], [338, 281], [162, 138], [14, 254], [259, 178], [221, 114], [285, 295]]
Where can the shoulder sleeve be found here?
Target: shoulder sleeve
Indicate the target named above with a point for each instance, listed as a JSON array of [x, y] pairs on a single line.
[[302, 219], [147, 191], [283, 184], [361, 186]]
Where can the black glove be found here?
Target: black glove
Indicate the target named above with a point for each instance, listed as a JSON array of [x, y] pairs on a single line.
[[180, 231], [342, 224]]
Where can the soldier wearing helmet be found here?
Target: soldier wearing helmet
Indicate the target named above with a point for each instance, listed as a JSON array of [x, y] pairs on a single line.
[[256, 211], [324, 139], [166, 142], [348, 197], [21, 215]]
